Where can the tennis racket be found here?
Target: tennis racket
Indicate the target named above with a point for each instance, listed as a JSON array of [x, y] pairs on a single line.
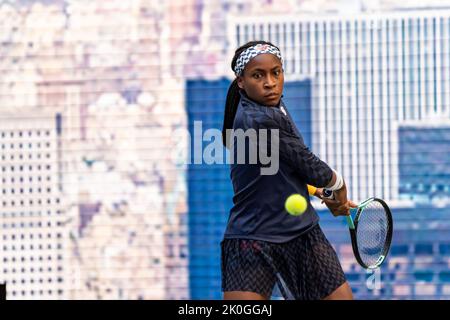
[[370, 231], [282, 286]]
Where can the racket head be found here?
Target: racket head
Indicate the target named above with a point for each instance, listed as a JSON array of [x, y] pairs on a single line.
[[372, 236]]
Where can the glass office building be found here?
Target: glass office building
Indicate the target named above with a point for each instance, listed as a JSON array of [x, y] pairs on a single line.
[[209, 186]]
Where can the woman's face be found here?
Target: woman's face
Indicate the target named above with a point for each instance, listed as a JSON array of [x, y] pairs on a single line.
[[263, 79]]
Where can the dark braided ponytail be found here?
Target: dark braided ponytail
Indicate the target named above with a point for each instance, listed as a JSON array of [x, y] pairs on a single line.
[[233, 96]]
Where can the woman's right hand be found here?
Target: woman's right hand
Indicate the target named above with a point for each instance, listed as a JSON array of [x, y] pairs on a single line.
[[340, 205]]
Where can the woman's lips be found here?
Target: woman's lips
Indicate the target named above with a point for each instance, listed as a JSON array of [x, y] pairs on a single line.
[[271, 95]]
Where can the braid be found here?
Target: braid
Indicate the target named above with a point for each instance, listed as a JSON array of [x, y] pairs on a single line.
[[231, 105], [233, 96]]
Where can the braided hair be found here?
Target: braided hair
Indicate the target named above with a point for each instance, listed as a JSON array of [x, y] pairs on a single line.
[[233, 96]]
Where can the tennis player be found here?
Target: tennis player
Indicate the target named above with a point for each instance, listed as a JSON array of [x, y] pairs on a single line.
[[263, 245]]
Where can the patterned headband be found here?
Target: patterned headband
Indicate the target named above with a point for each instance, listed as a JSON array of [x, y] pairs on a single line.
[[252, 52]]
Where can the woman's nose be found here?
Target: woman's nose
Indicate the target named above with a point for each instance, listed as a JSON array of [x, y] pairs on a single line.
[[270, 82]]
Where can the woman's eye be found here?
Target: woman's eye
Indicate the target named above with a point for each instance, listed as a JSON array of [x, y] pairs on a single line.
[[256, 76], [277, 73]]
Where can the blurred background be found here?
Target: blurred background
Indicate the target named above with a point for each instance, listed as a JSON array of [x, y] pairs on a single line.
[[97, 107]]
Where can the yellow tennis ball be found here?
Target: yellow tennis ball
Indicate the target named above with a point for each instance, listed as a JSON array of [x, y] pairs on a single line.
[[295, 204]]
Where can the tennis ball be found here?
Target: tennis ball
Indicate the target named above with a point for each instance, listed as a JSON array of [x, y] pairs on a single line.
[[295, 204]]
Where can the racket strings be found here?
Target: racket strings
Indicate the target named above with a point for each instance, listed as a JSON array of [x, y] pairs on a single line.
[[372, 232]]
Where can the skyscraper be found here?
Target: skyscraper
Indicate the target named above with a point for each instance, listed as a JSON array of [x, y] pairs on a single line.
[[424, 161], [32, 256]]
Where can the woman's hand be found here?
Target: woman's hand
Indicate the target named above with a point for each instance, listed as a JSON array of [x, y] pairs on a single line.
[[319, 193], [340, 205], [339, 209]]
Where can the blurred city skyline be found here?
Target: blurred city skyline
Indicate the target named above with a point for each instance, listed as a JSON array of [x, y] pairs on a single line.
[[108, 80]]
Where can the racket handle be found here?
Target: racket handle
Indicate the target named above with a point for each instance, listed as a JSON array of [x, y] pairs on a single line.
[[350, 223], [330, 195]]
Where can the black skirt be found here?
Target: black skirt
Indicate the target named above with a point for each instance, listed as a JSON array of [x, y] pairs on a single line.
[[305, 268]]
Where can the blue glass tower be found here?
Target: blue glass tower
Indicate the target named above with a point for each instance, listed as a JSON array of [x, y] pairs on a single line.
[[209, 186], [424, 162]]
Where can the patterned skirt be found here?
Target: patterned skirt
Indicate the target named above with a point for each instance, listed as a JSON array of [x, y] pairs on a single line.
[[305, 268]]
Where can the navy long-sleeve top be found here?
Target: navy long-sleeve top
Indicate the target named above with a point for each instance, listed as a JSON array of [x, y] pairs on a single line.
[[258, 211]]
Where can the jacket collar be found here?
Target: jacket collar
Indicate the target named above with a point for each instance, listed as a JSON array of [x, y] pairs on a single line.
[[248, 100]]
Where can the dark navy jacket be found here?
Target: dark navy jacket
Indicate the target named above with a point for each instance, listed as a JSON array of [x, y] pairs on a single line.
[[258, 211]]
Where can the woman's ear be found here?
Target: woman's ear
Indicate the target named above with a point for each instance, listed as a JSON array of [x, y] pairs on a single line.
[[240, 82]]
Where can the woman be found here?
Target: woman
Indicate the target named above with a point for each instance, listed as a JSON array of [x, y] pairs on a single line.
[[263, 244]]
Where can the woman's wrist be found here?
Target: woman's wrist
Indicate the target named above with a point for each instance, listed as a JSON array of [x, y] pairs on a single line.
[[337, 182]]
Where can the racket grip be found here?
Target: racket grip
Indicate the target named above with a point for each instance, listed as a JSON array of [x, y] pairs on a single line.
[[330, 195], [350, 223]]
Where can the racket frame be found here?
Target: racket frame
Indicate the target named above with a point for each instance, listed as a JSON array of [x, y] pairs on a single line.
[[353, 227]]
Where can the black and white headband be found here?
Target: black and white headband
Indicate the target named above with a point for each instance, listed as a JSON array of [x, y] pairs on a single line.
[[252, 52]]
